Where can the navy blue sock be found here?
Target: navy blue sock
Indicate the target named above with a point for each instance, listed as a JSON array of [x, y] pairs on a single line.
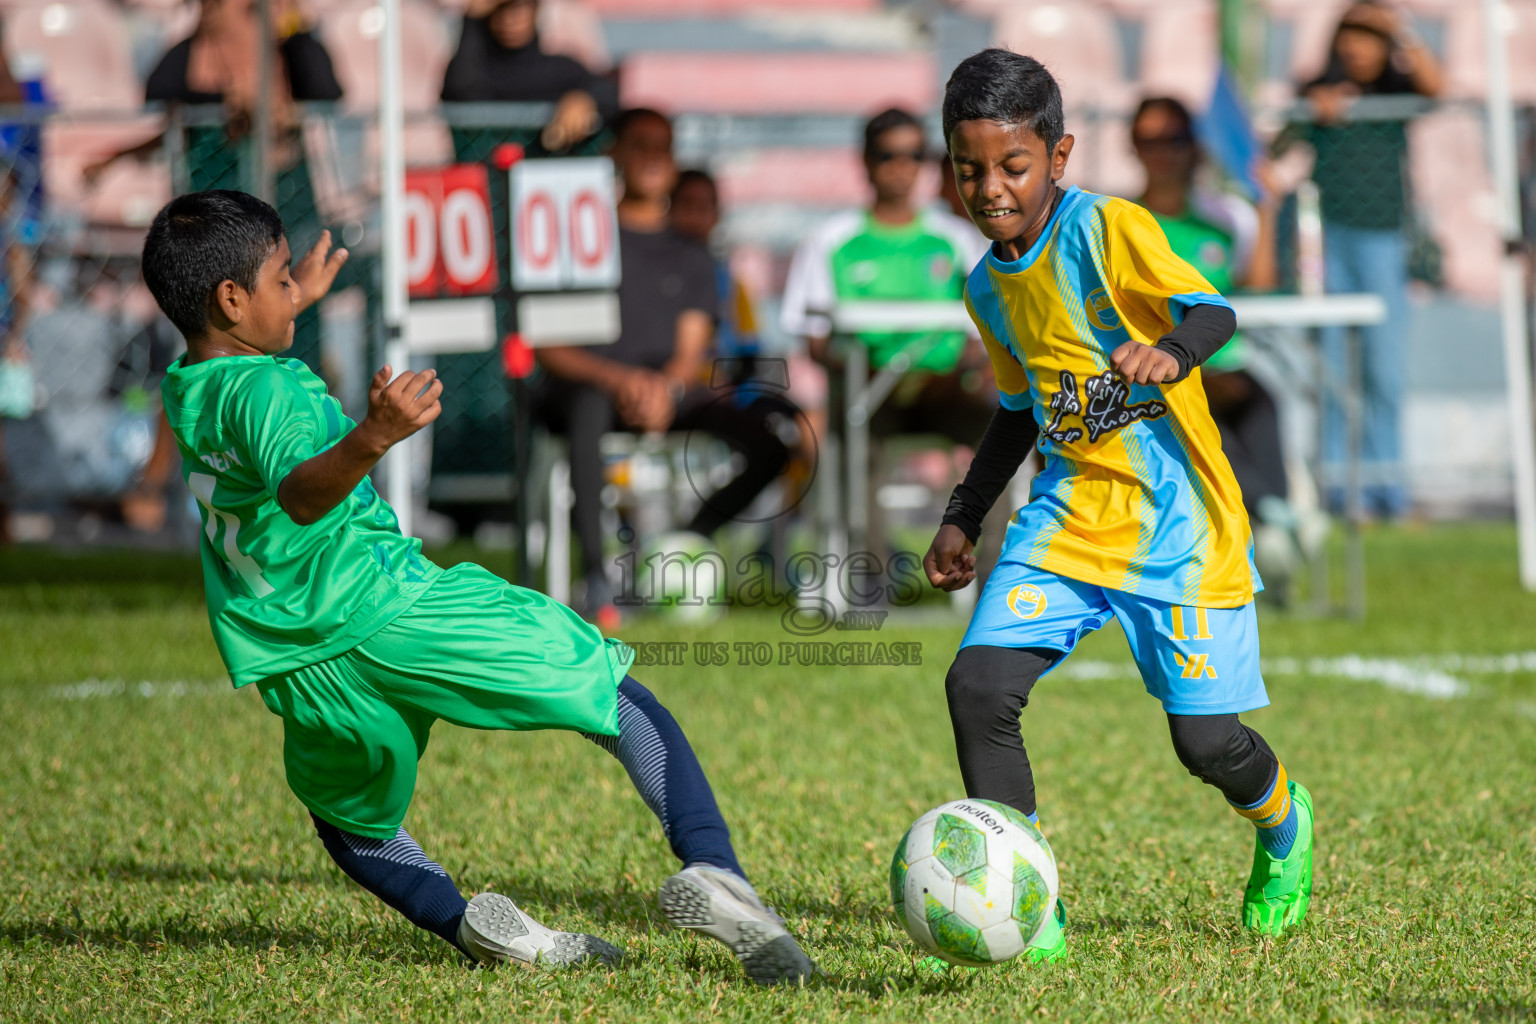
[[397, 872], [663, 768]]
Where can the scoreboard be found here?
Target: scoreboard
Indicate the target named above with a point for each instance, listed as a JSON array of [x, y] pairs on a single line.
[[563, 236]]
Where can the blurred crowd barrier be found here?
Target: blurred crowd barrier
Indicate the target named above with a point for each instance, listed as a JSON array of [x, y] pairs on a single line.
[[73, 224]]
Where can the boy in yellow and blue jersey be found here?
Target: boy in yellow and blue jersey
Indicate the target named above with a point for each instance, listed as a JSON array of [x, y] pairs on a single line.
[[1096, 331]]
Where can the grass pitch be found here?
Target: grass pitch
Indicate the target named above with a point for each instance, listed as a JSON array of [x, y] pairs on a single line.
[[157, 868]]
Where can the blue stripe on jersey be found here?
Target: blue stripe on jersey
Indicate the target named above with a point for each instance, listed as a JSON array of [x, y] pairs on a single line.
[[1179, 305], [1177, 533], [988, 304], [1071, 255]]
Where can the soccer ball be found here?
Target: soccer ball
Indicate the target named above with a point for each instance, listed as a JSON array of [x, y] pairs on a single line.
[[973, 881], [681, 577]]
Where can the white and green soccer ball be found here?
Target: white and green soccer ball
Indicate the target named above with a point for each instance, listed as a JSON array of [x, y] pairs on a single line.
[[973, 882], [680, 576]]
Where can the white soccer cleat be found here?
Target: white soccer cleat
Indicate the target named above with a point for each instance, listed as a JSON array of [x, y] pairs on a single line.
[[495, 931], [724, 906]]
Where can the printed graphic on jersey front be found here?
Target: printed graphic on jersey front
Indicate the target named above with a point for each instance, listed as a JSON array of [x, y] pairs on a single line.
[[1066, 404], [1108, 407]]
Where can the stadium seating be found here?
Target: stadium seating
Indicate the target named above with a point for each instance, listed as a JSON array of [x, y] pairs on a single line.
[[82, 48], [350, 29], [780, 83], [1077, 42], [697, 8]]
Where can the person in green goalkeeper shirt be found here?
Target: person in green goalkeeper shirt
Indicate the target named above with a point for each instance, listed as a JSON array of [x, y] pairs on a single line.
[[359, 642], [896, 251]]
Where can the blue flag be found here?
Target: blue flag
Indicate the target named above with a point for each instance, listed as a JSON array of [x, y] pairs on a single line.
[[1226, 132]]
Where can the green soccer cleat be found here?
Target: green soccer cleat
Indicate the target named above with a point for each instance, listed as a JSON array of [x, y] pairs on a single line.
[[1279, 891], [1051, 944]]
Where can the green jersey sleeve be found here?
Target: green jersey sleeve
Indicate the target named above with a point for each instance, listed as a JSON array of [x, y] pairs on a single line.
[[278, 424]]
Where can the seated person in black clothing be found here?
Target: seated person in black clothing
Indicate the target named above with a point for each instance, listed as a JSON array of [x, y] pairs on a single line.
[[499, 60], [653, 377], [217, 65]]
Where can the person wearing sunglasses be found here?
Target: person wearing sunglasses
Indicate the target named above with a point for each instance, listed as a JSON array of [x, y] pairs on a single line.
[[895, 250]]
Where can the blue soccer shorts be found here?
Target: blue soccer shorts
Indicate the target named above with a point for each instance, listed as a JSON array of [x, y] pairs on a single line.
[[1196, 661]]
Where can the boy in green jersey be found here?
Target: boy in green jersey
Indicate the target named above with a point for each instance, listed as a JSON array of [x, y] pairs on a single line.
[[359, 642]]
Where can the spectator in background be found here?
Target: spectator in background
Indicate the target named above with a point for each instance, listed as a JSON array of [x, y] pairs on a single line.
[[1231, 243], [218, 65], [16, 382], [16, 378], [499, 60], [895, 250], [695, 211], [1360, 175], [650, 379]]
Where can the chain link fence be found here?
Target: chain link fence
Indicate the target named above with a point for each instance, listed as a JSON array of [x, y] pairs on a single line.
[[81, 445]]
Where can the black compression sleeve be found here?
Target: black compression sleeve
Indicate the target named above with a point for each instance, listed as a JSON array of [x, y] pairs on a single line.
[[1007, 442], [1204, 329]]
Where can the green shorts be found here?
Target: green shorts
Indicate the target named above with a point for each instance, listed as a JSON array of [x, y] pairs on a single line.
[[473, 650]]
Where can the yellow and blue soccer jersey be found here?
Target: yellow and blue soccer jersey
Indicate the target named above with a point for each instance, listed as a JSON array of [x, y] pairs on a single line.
[[1136, 495]]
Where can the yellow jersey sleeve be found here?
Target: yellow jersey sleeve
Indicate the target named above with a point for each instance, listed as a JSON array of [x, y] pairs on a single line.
[[1012, 382], [1148, 280]]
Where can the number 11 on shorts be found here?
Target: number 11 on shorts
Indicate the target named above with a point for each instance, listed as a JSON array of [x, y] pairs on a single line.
[[1202, 628]]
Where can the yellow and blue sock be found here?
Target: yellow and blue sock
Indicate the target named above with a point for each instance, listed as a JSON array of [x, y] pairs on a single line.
[[1274, 816]]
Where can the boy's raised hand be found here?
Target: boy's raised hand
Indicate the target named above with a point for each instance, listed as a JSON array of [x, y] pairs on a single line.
[[317, 270], [400, 407], [1143, 364], [949, 562]]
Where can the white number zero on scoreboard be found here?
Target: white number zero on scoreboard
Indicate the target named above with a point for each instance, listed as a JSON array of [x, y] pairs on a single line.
[[421, 238], [466, 237], [450, 236], [564, 226]]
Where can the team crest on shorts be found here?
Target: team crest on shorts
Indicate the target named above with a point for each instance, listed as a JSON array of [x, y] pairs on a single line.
[[1026, 601]]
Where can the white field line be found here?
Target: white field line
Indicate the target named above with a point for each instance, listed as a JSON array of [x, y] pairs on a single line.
[[90, 689], [1427, 676]]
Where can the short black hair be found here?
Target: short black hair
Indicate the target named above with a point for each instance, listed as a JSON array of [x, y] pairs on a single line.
[[200, 240], [695, 176], [628, 118], [885, 121], [1007, 88], [1173, 106]]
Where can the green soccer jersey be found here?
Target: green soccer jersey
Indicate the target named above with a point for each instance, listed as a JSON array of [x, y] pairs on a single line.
[[1211, 249], [282, 596], [854, 257]]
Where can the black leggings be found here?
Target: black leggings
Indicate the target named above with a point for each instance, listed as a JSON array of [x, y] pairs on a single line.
[[988, 687], [661, 764]]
